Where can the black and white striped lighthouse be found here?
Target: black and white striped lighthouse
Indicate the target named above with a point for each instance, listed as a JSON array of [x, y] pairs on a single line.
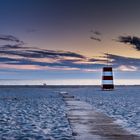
[[107, 77]]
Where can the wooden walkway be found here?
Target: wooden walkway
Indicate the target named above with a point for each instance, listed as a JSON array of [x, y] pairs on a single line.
[[88, 124]]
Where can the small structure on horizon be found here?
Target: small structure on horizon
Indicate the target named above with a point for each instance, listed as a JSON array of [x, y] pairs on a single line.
[[107, 78], [44, 84]]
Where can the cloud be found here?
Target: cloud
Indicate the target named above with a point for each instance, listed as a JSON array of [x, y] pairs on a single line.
[[5, 47], [95, 38], [32, 52], [31, 58], [132, 40], [124, 63], [22, 67], [95, 35], [54, 54], [19, 56], [127, 68], [10, 38]]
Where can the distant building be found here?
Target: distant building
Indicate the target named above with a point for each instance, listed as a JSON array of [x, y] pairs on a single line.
[[107, 78]]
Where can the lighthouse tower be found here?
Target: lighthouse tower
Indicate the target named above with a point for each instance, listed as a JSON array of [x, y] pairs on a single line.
[[107, 78]]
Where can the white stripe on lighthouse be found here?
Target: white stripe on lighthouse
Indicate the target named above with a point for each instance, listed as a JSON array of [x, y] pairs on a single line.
[[107, 82], [107, 73]]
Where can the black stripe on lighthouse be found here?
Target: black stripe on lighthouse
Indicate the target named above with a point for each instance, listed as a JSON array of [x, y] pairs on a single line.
[[107, 78]]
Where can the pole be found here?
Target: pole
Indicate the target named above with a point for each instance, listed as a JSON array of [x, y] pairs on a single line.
[[107, 59]]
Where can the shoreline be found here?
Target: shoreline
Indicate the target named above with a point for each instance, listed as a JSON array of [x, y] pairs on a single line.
[[60, 86]]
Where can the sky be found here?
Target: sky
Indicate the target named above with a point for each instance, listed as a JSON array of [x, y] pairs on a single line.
[[67, 41]]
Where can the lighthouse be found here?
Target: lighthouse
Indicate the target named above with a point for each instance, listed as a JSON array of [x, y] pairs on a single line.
[[107, 77]]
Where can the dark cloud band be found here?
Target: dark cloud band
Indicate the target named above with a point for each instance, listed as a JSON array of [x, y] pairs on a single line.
[[20, 56], [10, 38], [95, 38], [133, 40]]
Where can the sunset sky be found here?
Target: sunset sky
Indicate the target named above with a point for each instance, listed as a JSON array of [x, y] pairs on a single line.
[[67, 40]]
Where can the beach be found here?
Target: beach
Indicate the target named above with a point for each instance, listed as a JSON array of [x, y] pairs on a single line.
[[40, 112]]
